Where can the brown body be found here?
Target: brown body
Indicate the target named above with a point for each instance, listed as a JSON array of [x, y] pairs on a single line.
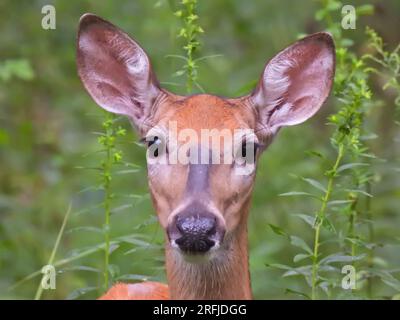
[[203, 207]]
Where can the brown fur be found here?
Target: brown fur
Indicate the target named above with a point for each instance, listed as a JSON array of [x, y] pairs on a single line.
[[138, 291], [117, 73]]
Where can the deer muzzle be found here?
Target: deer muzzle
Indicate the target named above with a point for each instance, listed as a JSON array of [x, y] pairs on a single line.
[[195, 231]]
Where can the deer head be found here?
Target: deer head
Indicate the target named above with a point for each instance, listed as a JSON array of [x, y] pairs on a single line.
[[202, 200]]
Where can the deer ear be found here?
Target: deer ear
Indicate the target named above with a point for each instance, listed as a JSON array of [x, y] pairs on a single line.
[[296, 82], [115, 70]]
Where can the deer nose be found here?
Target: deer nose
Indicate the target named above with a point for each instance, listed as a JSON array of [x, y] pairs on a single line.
[[196, 225], [195, 233]]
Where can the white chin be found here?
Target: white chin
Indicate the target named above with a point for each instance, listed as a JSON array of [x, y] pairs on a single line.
[[196, 258], [199, 258]]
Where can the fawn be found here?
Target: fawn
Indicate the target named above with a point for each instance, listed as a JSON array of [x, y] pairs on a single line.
[[202, 207]]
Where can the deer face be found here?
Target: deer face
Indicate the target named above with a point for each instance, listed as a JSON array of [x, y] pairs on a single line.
[[202, 171], [202, 149]]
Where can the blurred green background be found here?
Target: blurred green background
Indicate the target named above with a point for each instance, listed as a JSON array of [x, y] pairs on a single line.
[[47, 121]]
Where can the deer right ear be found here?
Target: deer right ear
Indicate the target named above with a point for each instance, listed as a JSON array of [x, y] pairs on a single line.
[[296, 82], [115, 70]]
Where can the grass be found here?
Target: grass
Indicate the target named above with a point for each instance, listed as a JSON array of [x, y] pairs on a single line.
[[319, 220], [39, 290], [113, 234]]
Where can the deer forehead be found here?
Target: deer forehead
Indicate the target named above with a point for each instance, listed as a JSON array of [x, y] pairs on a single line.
[[205, 111]]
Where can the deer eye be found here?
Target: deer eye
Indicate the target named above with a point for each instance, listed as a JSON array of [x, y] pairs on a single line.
[[248, 151], [154, 146]]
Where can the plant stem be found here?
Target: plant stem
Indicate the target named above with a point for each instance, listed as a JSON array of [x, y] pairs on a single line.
[[189, 49], [65, 261], [371, 238], [107, 191], [189, 32], [107, 165], [39, 290], [352, 222], [320, 218]]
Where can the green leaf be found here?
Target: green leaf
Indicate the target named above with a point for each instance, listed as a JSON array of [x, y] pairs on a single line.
[[297, 293], [320, 14], [338, 202], [315, 184], [365, 9], [302, 271], [128, 171], [130, 164], [298, 193], [179, 73], [136, 242], [20, 68], [90, 209], [337, 257], [294, 193], [300, 256], [113, 270], [121, 208], [315, 154], [328, 225], [113, 247], [333, 5], [80, 268], [208, 57], [310, 220], [278, 230], [328, 268], [151, 220], [177, 57], [360, 191], [80, 292], [178, 13], [390, 280], [150, 247], [351, 165], [85, 228], [364, 244], [324, 285], [137, 277], [298, 242], [278, 266]]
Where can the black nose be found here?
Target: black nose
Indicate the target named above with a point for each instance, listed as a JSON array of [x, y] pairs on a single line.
[[195, 233]]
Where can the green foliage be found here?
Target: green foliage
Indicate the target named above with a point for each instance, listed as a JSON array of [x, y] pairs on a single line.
[[45, 118], [19, 68], [189, 32], [39, 290], [113, 156], [389, 61], [345, 206]]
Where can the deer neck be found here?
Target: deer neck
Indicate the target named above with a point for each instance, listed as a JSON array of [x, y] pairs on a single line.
[[225, 276]]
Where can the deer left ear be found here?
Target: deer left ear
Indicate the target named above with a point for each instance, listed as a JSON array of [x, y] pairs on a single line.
[[115, 70], [296, 82]]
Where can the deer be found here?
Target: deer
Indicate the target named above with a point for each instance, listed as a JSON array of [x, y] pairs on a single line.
[[202, 207]]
